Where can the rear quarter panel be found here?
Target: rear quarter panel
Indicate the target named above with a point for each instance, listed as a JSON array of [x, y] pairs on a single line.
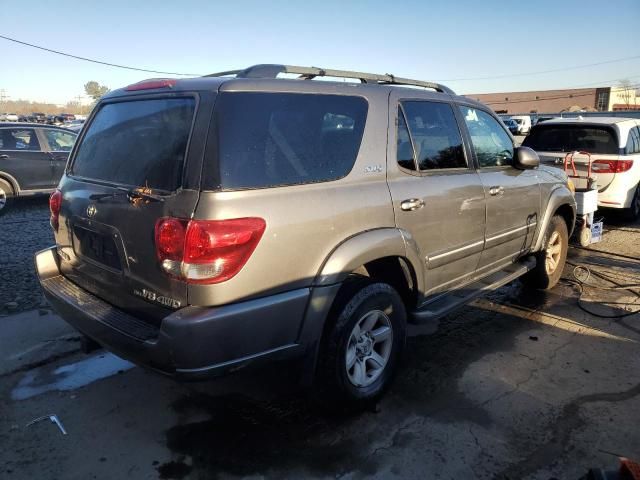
[[305, 223]]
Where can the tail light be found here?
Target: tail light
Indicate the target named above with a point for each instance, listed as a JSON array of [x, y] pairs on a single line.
[[611, 166], [206, 251], [55, 201]]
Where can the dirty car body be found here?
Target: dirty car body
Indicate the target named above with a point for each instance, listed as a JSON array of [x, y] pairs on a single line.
[[204, 224]]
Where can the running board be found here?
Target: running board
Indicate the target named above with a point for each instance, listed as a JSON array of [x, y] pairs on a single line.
[[444, 304]]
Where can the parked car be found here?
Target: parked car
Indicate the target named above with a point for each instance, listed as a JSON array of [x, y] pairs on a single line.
[[543, 119], [511, 125], [32, 159], [323, 218], [614, 146], [38, 117], [524, 123], [75, 125], [11, 117]]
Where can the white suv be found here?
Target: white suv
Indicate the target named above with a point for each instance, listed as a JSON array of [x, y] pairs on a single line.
[[614, 146]]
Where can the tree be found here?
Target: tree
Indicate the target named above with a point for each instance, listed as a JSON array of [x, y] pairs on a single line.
[[628, 93], [95, 90]]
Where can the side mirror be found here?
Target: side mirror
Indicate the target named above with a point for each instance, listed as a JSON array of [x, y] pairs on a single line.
[[526, 158]]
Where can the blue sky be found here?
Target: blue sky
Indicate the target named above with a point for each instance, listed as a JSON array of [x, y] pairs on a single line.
[[416, 39]]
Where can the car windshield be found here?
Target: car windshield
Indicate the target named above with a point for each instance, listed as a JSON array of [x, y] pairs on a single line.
[[568, 138]]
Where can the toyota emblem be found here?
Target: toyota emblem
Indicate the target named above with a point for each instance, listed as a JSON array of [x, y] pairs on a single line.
[[91, 211]]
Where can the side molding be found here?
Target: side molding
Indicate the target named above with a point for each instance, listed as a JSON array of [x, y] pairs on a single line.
[[560, 195]]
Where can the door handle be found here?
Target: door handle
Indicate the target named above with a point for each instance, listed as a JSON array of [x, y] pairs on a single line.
[[494, 191], [411, 204], [4, 157]]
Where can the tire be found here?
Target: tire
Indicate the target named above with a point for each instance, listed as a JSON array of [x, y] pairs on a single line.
[[355, 367], [633, 212], [6, 196], [550, 261]]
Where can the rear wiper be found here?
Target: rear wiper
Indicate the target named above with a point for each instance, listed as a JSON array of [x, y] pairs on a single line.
[[132, 194], [135, 193]]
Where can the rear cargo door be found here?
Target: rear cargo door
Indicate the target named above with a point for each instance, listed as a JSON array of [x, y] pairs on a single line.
[[130, 169], [598, 144]]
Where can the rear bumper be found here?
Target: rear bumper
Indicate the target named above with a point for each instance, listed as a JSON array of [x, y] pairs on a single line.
[[192, 343]]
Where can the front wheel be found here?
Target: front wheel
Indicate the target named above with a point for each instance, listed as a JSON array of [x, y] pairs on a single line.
[[362, 344], [6, 196], [550, 261]]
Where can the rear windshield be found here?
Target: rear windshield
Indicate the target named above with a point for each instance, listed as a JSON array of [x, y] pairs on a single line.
[[272, 139], [568, 138], [139, 143]]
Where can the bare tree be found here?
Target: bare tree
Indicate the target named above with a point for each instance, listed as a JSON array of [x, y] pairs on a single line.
[[627, 93]]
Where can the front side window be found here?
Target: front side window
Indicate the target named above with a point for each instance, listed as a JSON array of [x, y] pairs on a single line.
[[19, 139], [276, 139], [59, 141], [492, 144], [140, 142], [435, 135]]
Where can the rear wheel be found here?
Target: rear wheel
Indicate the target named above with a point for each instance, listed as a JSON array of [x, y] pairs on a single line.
[[550, 261], [6, 196], [633, 212], [363, 344]]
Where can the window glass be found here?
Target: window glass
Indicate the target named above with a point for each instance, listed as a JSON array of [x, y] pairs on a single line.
[[59, 141], [19, 139], [435, 134], [569, 138], [404, 148], [140, 142], [270, 139], [633, 144], [492, 144]]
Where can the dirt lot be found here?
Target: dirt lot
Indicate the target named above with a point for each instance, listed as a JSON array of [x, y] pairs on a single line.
[[517, 385]]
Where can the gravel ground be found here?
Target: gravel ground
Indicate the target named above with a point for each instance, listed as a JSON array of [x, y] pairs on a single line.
[[25, 230]]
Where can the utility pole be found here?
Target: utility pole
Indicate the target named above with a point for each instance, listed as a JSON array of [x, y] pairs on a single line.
[[3, 95], [79, 99]]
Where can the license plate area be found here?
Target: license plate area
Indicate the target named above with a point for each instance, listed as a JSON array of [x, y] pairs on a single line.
[[97, 247]]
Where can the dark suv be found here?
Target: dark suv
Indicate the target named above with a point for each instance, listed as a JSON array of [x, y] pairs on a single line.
[[32, 159], [204, 224]]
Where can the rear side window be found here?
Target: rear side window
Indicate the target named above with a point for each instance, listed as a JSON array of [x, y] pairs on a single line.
[[140, 143], [59, 141], [568, 138], [435, 135], [633, 144], [273, 139]]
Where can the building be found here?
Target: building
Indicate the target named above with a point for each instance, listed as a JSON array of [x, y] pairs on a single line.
[[554, 101]]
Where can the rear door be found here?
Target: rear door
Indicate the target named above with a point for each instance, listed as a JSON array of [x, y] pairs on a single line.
[[513, 195], [22, 157], [58, 144], [600, 143], [139, 145], [437, 195]]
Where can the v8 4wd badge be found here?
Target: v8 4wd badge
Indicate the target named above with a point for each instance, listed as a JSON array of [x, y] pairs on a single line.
[[154, 297]]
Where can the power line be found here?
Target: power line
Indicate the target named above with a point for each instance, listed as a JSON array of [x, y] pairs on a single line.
[[510, 75], [96, 61]]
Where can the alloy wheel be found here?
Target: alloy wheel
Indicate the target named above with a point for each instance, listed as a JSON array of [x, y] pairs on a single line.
[[369, 348], [553, 252]]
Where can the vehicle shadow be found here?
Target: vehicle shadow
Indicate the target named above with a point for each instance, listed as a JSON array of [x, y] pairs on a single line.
[[261, 420]]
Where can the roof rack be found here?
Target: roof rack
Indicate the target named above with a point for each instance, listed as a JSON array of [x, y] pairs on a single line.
[[309, 73]]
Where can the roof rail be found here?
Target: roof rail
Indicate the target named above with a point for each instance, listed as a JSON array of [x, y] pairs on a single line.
[[307, 73]]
